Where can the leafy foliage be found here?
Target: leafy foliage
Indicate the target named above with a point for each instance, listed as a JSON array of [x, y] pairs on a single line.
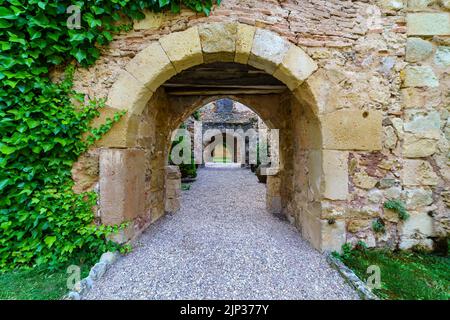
[[397, 206], [42, 221], [378, 226]]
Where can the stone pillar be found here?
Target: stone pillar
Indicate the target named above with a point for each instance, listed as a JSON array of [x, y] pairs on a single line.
[[173, 189], [273, 194], [122, 182]]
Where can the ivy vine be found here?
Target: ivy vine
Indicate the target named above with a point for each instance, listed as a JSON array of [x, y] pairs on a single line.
[[42, 221]]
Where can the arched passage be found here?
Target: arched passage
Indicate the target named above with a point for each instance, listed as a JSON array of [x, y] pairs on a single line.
[[313, 141]]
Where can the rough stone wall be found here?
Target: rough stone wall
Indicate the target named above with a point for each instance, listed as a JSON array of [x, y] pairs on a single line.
[[382, 61]]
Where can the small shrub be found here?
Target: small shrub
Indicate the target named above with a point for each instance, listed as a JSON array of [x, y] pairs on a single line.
[[378, 226], [397, 206]]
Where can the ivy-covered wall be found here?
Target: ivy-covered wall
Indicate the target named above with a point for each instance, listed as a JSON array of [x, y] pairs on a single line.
[[44, 126]]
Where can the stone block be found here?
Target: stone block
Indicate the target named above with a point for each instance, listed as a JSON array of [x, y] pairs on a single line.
[[218, 41], [244, 42], [428, 23], [122, 134], [183, 48], [152, 21], [416, 230], [425, 125], [418, 172], [415, 146], [122, 183], [295, 68], [419, 76], [151, 66], [442, 56], [416, 198], [129, 94], [357, 225], [419, 4], [418, 49], [333, 235], [352, 130], [335, 174], [362, 180], [268, 50], [392, 4]]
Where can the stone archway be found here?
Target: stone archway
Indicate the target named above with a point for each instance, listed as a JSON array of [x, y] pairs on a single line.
[[316, 154]]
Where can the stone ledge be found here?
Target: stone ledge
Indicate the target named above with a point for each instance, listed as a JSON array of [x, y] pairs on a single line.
[[351, 278], [97, 271]]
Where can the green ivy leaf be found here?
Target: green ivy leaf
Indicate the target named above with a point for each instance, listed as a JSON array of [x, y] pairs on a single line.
[[50, 240]]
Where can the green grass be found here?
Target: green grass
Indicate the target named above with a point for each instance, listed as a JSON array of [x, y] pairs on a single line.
[[222, 160], [35, 284], [404, 275], [185, 186]]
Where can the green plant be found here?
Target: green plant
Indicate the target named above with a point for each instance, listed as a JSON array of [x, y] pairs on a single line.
[[397, 206], [185, 186], [42, 130], [404, 275], [378, 226]]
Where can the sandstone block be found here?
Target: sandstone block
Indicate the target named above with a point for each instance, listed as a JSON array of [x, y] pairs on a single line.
[[123, 133], [392, 4], [416, 230], [129, 94], [425, 125], [355, 226], [268, 50], [419, 4], [218, 41], [415, 146], [362, 180], [122, 185], [428, 23], [335, 174], [295, 68], [418, 49], [151, 66], [417, 198], [244, 42], [418, 172], [419, 76], [183, 48], [352, 130], [333, 235], [151, 21]]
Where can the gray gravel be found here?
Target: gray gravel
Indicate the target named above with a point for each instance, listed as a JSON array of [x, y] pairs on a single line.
[[222, 244]]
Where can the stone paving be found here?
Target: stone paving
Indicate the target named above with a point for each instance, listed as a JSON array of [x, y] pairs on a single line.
[[222, 244]]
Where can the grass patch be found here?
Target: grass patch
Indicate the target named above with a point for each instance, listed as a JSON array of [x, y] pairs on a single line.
[[222, 160], [35, 284], [185, 186], [404, 275]]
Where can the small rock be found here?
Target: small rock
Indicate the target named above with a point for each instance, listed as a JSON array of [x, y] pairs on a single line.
[[97, 271], [442, 57], [375, 196], [418, 198], [72, 295], [393, 193], [109, 257], [385, 183]]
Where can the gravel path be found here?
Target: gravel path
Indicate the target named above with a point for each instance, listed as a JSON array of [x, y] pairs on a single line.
[[222, 244]]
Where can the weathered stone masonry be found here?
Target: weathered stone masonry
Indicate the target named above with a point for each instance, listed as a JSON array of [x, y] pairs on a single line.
[[364, 119]]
